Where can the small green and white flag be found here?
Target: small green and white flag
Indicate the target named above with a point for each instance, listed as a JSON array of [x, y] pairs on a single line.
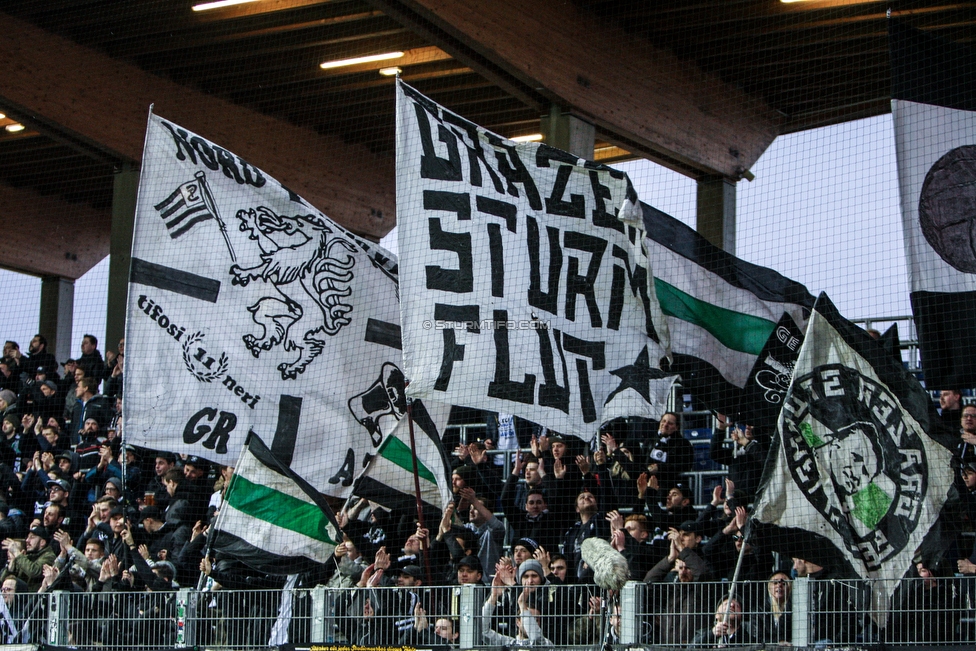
[[273, 520], [853, 480], [388, 479]]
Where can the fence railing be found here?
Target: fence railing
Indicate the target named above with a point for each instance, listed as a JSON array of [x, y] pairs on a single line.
[[799, 612]]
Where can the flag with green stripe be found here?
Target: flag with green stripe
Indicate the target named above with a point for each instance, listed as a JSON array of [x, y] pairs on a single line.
[[273, 520], [388, 479], [724, 315]]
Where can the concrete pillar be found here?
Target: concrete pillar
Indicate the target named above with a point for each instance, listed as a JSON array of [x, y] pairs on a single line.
[[57, 315], [123, 218], [716, 212], [568, 132]]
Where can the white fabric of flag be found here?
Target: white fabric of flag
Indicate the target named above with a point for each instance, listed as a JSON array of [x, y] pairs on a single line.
[[268, 318], [852, 464], [524, 275], [270, 518], [923, 135], [934, 110], [388, 480]]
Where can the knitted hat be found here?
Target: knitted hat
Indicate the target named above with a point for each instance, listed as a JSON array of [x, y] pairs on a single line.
[[533, 565]]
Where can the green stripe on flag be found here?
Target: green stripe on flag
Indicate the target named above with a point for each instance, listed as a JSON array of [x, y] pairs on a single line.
[[279, 509], [742, 332], [396, 452]]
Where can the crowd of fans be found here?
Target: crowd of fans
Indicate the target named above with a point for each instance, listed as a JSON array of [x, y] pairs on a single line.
[[69, 522]]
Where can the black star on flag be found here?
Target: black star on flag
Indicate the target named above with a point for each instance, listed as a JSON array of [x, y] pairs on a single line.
[[637, 376]]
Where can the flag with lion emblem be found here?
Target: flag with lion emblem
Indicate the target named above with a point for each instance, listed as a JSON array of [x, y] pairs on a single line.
[[853, 480], [262, 316]]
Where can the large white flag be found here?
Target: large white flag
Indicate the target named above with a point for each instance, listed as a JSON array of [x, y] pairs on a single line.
[[249, 310], [525, 280], [934, 109]]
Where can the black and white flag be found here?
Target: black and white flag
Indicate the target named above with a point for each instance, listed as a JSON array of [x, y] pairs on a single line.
[[735, 327], [852, 474], [296, 338], [186, 207], [934, 109], [525, 280]]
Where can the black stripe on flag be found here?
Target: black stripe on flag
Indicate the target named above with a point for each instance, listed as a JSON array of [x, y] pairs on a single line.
[[383, 333], [174, 280], [196, 215], [289, 417], [765, 283], [946, 325]]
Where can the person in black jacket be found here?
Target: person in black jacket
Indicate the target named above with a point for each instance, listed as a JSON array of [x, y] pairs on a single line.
[[729, 629], [91, 359], [745, 459], [671, 455], [39, 357]]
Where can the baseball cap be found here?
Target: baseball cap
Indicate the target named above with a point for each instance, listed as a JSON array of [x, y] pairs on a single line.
[[41, 532], [151, 512], [692, 526], [411, 570], [60, 483], [197, 462]]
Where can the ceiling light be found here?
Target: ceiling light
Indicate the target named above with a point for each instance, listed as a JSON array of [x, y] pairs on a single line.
[[14, 128], [220, 4], [532, 137], [2, 116], [340, 63], [390, 72]]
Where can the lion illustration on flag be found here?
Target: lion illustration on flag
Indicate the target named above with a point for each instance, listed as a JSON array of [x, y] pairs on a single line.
[[302, 258]]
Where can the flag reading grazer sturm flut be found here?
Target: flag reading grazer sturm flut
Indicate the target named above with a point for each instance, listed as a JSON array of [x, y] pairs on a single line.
[[735, 327], [852, 479], [271, 518], [296, 337], [524, 275], [934, 109]]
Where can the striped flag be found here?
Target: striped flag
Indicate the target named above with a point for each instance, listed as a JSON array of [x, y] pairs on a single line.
[[187, 206], [271, 518], [721, 312], [388, 479]]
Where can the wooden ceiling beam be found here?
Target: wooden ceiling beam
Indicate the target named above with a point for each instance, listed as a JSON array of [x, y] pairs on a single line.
[[45, 236], [99, 105], [163, 52], [622, 84]]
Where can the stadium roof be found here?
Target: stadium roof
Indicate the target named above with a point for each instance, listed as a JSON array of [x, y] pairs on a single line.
[[702, 86]]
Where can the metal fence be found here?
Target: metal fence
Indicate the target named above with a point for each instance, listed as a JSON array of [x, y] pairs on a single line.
[[798, 612]]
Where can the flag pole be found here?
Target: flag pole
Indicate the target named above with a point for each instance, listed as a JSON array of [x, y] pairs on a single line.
[[735, 576], [212, 205], [416, 489]]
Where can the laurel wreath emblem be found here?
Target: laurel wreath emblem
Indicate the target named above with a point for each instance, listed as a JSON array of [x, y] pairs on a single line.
[[205, 375]]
